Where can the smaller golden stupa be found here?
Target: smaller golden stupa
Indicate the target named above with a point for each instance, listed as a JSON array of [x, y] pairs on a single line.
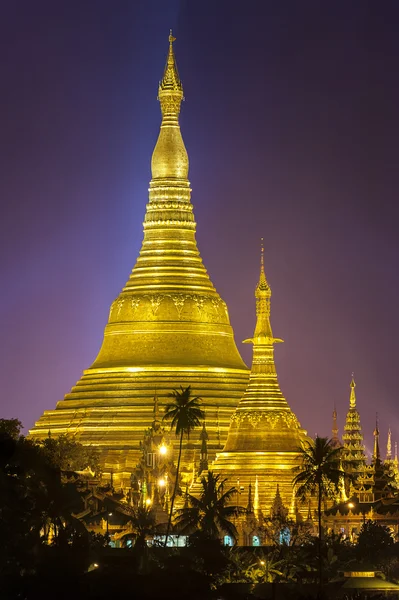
[[264, 435]]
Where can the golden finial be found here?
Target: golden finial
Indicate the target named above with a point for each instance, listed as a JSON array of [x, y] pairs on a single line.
[[352, 400], [171, 86], [389, 445], [376, 453], [263, 287], [262, 251]]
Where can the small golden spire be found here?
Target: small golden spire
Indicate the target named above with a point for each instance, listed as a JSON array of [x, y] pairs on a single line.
[[170, 159], [263, 288], [389, 445], [376, 452], [352, 399], [263, 331], [170, 92]]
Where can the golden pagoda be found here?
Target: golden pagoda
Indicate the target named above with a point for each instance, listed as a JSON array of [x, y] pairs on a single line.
[[264, 435], [167, 328], [352, 437]]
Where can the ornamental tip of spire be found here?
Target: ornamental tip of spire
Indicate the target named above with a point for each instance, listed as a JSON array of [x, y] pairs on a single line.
[[171, 81], [376, 430], [352, 400], [263, 288], [389, 445], [204, 433]]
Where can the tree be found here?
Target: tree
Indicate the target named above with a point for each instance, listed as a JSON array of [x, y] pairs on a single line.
[[319, 473], [143, 525], [10, 428], [184, 413], [373, 542], [266, 569], [66, 453], [211, 513]]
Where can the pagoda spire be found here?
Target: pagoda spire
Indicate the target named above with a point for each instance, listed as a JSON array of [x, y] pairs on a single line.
[[264, 434], [376, 451], [389, 446], [204, 449], [352, 398], [250, 506], [352, 437], [263, 392]]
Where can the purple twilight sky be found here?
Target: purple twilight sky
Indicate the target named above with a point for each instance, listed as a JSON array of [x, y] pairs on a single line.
[[291, 125]]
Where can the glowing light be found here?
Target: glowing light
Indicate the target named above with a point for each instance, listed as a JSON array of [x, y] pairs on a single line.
[[262, 562], [161, 482], [163, 449], [95, 565], [148, 501], [351, 505]]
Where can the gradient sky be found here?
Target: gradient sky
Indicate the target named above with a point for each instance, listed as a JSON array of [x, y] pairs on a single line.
[[291, 125]]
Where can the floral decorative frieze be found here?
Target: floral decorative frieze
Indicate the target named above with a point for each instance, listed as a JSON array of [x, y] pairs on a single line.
[[272, 418]]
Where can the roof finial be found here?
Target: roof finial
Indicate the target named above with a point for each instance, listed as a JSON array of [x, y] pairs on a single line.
[[389, 445], [376, 453], [262, 251], [263, 287], [352, 399], [170, 91]]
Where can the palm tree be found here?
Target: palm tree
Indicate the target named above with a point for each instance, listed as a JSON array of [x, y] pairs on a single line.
[[265, 570], [212, 512], [184, 413], [321, 472], [143, 525]]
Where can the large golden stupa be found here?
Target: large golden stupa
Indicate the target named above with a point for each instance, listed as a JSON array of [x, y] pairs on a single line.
[[264, 436], [168, 327]]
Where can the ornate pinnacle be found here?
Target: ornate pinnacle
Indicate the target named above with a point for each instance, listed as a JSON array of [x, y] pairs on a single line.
[[250, 506], [263, 330], [352, 399], [389, 445], [376, 452], [263, 288], [170, 91]]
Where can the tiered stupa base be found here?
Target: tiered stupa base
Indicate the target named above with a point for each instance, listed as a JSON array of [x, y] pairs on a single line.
[[111, 409]]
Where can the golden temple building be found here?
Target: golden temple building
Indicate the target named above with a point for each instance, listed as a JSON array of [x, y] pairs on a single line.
[[264, 436], [167, 328]]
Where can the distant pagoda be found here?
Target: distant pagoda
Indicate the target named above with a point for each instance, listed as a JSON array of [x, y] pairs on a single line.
[[167, 328], [353, 437], [264, 435]]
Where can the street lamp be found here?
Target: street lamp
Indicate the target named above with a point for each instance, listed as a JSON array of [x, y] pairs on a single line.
[[163, 449]]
